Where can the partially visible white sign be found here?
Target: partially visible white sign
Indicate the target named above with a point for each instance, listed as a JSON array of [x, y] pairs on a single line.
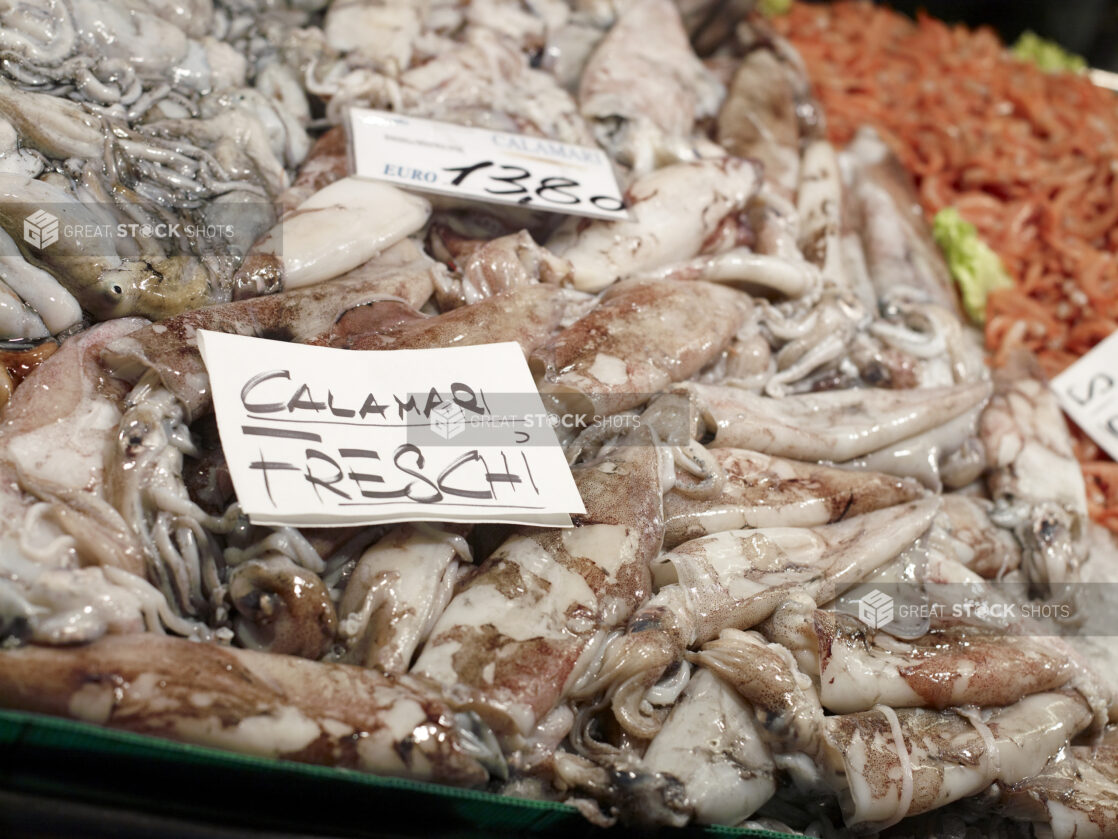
[[482, 165], [1088, 392], [316, 436]]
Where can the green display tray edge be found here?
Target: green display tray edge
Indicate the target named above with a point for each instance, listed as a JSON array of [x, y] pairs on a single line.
[[70, 759]]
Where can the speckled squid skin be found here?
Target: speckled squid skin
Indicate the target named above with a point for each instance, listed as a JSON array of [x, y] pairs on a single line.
[[529, 315], [859, 668], [737, 578], [769, 109], [761, 490], [642, 337], [1076, 796], [326, 162], [254, 703], [674, 211], [515, 638], [942, 756], [834, 425], [171, 346]]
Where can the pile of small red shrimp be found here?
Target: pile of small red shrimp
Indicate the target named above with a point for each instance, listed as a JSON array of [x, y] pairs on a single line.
[[1029, 157]]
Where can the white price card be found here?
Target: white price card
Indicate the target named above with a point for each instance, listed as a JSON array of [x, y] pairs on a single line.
[[316, 436], [482, 165], [1088, 392]]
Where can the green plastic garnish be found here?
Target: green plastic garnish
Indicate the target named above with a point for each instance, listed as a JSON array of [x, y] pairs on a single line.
[[1047, 55], [973, 265]]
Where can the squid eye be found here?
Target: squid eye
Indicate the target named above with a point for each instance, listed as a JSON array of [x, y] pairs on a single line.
[[117, 290]]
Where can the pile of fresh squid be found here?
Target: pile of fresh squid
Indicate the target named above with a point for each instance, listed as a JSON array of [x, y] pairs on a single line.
[[808, 413]]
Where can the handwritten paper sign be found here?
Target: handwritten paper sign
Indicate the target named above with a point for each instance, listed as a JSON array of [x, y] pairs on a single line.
[[317, 437], [482, 165], [1088, 393]]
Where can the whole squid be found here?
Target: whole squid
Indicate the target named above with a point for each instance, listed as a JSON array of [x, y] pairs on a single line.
[[890, 764], [783, 699], [72, 569], [640, 338], [255, 703], [1034, 478], [759, 490], [55, 433], [859, 668], [644, 88], [769, 108], [517, 636], [1076, 794], [79, 263], [831, 425], [904, 262], [736, 579], [338, 228], [673, 212], [396, 592], [529, 315], [711, 742]]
